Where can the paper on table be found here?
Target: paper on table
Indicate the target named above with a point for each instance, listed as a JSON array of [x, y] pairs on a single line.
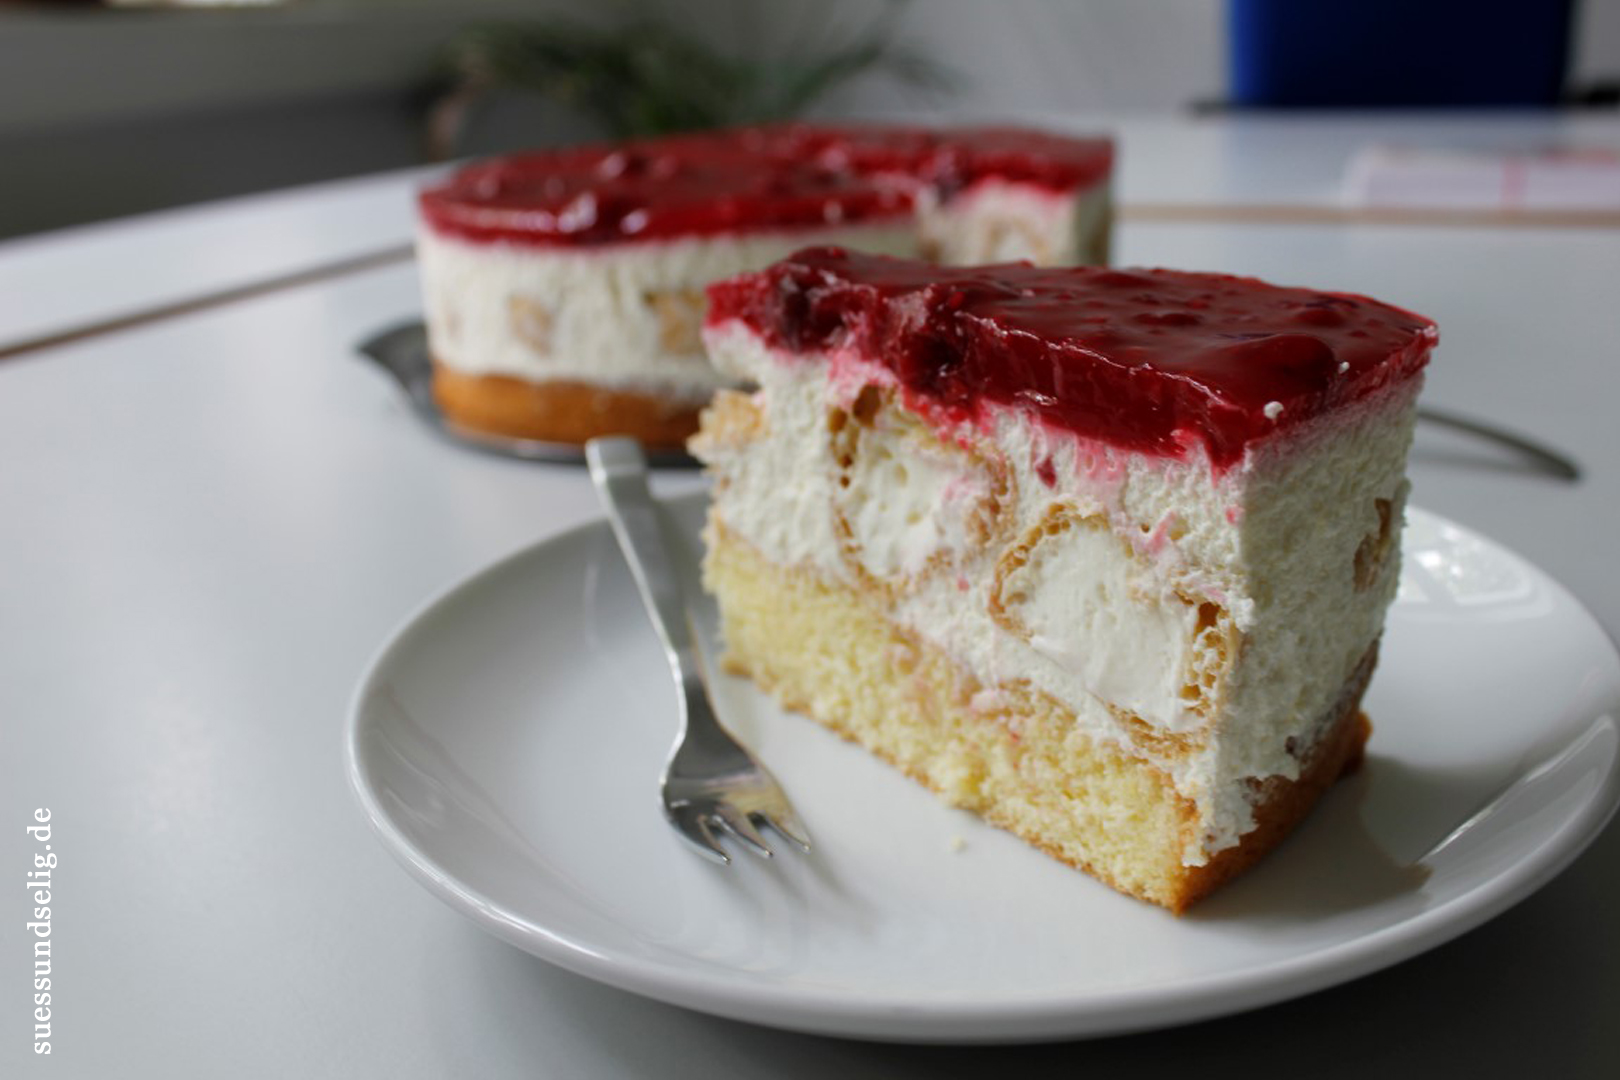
[[1550, 180]]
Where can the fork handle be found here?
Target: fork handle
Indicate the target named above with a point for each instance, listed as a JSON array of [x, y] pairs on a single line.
[[618, 468]]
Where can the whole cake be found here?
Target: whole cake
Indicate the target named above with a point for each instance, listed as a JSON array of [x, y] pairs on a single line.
[[1101, 555], [564, 290]]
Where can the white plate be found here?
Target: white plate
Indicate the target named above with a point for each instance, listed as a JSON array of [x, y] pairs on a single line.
[[505, 746]]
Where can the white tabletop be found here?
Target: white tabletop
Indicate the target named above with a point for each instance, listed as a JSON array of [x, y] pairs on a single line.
[[1300, 160], [83, 278], [210, 521]]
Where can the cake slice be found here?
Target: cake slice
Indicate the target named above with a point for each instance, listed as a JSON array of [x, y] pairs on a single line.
[[563, 289], [1103, 556]]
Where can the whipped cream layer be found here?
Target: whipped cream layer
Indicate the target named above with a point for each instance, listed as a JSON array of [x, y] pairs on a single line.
[[998, 220], [625, 315], [1205, 619]]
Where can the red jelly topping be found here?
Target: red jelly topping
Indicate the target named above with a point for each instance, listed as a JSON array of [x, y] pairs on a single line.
[[752, 179], [1150, 360]]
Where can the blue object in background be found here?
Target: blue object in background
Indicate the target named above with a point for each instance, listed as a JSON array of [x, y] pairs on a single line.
[[1397, 53]]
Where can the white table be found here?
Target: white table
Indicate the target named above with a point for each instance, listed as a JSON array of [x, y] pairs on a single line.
[[209, 521], [100, 277]]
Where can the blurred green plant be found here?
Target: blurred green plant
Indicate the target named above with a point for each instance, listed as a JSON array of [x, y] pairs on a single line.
[[648, 75]]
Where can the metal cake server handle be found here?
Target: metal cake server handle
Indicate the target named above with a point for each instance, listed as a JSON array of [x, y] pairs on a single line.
[[1559, 465]]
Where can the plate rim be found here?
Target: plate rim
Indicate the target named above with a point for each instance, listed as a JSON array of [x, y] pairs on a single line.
[[1043, 1017]]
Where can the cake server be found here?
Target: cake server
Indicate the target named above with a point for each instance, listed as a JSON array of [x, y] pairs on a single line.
[[712, 787]]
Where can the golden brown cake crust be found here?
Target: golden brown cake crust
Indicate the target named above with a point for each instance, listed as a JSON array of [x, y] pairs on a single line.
[[562, 410]]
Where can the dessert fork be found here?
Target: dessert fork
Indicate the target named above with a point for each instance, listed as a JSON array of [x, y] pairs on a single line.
[[712, 786]]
